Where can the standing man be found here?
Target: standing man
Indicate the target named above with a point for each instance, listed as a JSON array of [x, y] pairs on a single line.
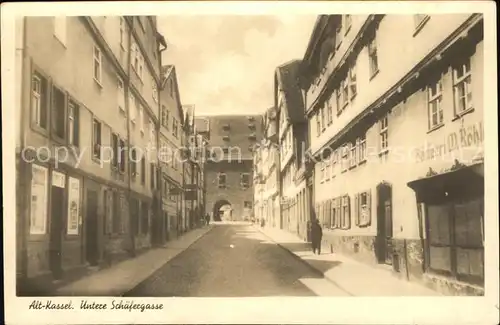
[[316, 236], [207, 219]]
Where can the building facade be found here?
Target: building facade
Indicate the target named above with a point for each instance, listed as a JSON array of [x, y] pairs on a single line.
[[82, 200], [170, 144], [396, 129], [292, 143], [228, 166], [266, 173]]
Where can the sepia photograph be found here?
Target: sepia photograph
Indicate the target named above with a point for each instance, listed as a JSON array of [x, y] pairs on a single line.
[[270, 154]]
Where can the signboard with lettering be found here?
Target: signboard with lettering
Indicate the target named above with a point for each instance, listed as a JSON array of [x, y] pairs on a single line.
[[468, 137], [58, 179]]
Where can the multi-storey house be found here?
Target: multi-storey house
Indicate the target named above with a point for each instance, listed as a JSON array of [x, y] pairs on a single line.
[[292, 139], [170, 144], [74, 183], [395, 109]]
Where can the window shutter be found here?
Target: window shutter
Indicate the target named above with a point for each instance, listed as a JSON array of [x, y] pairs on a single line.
[[368, 220], [357, 209], [329, 217], [348, 219], [334, 214], [341, 214]]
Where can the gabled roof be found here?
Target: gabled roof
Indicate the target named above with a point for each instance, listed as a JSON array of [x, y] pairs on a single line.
[[287, 81], [168, 72]]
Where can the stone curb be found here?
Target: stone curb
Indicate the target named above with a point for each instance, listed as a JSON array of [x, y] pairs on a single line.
[[305, 262]]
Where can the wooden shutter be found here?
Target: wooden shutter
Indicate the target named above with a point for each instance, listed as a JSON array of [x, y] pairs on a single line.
[[357, 209], [348, 219], [368, 220]]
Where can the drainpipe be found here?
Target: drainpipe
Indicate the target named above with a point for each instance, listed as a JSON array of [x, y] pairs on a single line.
[[159, 169]]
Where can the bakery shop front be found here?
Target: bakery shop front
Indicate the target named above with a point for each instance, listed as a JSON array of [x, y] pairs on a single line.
[[451, 218]]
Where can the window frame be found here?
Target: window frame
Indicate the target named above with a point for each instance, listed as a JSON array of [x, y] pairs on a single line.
[[73, 127], [97, 58], [384, 134], [44, 102], [221, 184], [466, 81], [242, 178], [54, 116], [437, 100], [373, 57]]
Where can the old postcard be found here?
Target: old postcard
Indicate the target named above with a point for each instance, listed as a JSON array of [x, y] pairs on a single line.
[[281, 162]]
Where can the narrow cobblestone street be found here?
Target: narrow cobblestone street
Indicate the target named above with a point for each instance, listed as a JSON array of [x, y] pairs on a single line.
[[235, 260]]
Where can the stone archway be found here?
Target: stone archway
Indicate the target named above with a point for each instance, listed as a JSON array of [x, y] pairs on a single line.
[[217, 215]]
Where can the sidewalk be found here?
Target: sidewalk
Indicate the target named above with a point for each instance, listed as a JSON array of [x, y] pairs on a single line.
[[353, 277], [124, 276]]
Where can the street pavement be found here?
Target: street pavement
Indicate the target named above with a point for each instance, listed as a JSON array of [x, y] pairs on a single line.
[[235, 260]]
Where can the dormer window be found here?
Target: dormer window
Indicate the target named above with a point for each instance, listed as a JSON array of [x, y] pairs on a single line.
[[225, 138], [225, 127], [252, 137]]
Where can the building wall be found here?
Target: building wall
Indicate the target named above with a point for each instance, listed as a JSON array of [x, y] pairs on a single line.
[[414, 148], [53, 49], [234, 193]]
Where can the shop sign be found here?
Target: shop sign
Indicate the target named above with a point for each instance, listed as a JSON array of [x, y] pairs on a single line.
[[468, 137]]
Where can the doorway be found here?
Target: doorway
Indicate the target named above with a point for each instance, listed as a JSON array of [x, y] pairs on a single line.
[[91, 229], [56, 230], [384, 224]]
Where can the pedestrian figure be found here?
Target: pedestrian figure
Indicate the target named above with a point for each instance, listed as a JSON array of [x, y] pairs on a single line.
[[207, 218], [316, 236]]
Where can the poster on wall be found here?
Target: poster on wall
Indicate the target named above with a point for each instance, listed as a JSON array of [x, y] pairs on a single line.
[[39, 193], [73, 206]]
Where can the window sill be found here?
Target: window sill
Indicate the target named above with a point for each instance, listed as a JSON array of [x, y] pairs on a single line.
[[347, 30], [362, 162], [383, 152], [98, 83], [435, 127], [352, 167], [421, 25], [38, 129], [374, 74], [458, 116]]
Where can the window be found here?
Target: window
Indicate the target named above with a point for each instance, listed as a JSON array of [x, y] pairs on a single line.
[[247, 204], [345, 158], [174, 128], [153, 176], [329, 113], [122, 33], [323, 124], [353, 156], [338, 100], [134, 56], [373, 57], [122, 155], [60, 27], [420, 20], [39, 97], [121, 95], [73, 124], [456, 239], [143, 170], [225, 138], [333, 163], [144, 218], [245, 180], [163, 115], [39, 195], [346, 212], [322, 172], [435, 110], [141, 118], [384, 132], [363, 209], [347, 23], [97, 65], [58, 112], [96, 139], [114, 145], [352, 82], [327, 170], [462, 87], [133, 161], [132, 107], [362, 149], [345, 92], [338, 36], [155, 90], [221, 180]]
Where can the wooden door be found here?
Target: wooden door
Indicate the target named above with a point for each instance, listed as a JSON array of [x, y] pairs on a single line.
[[91, 228], [56, 230]]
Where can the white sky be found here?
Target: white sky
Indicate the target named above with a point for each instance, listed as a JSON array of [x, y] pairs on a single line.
[[225, 64]]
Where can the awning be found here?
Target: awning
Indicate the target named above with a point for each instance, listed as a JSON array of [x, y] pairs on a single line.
[[461, 181]]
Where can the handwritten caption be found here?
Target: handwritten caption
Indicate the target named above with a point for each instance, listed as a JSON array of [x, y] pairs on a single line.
[[119, 305]]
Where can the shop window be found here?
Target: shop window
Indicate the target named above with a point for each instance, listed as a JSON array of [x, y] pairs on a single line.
[[39, 98], [456, 239], [435, 109], [462, 87], [39, 197]]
